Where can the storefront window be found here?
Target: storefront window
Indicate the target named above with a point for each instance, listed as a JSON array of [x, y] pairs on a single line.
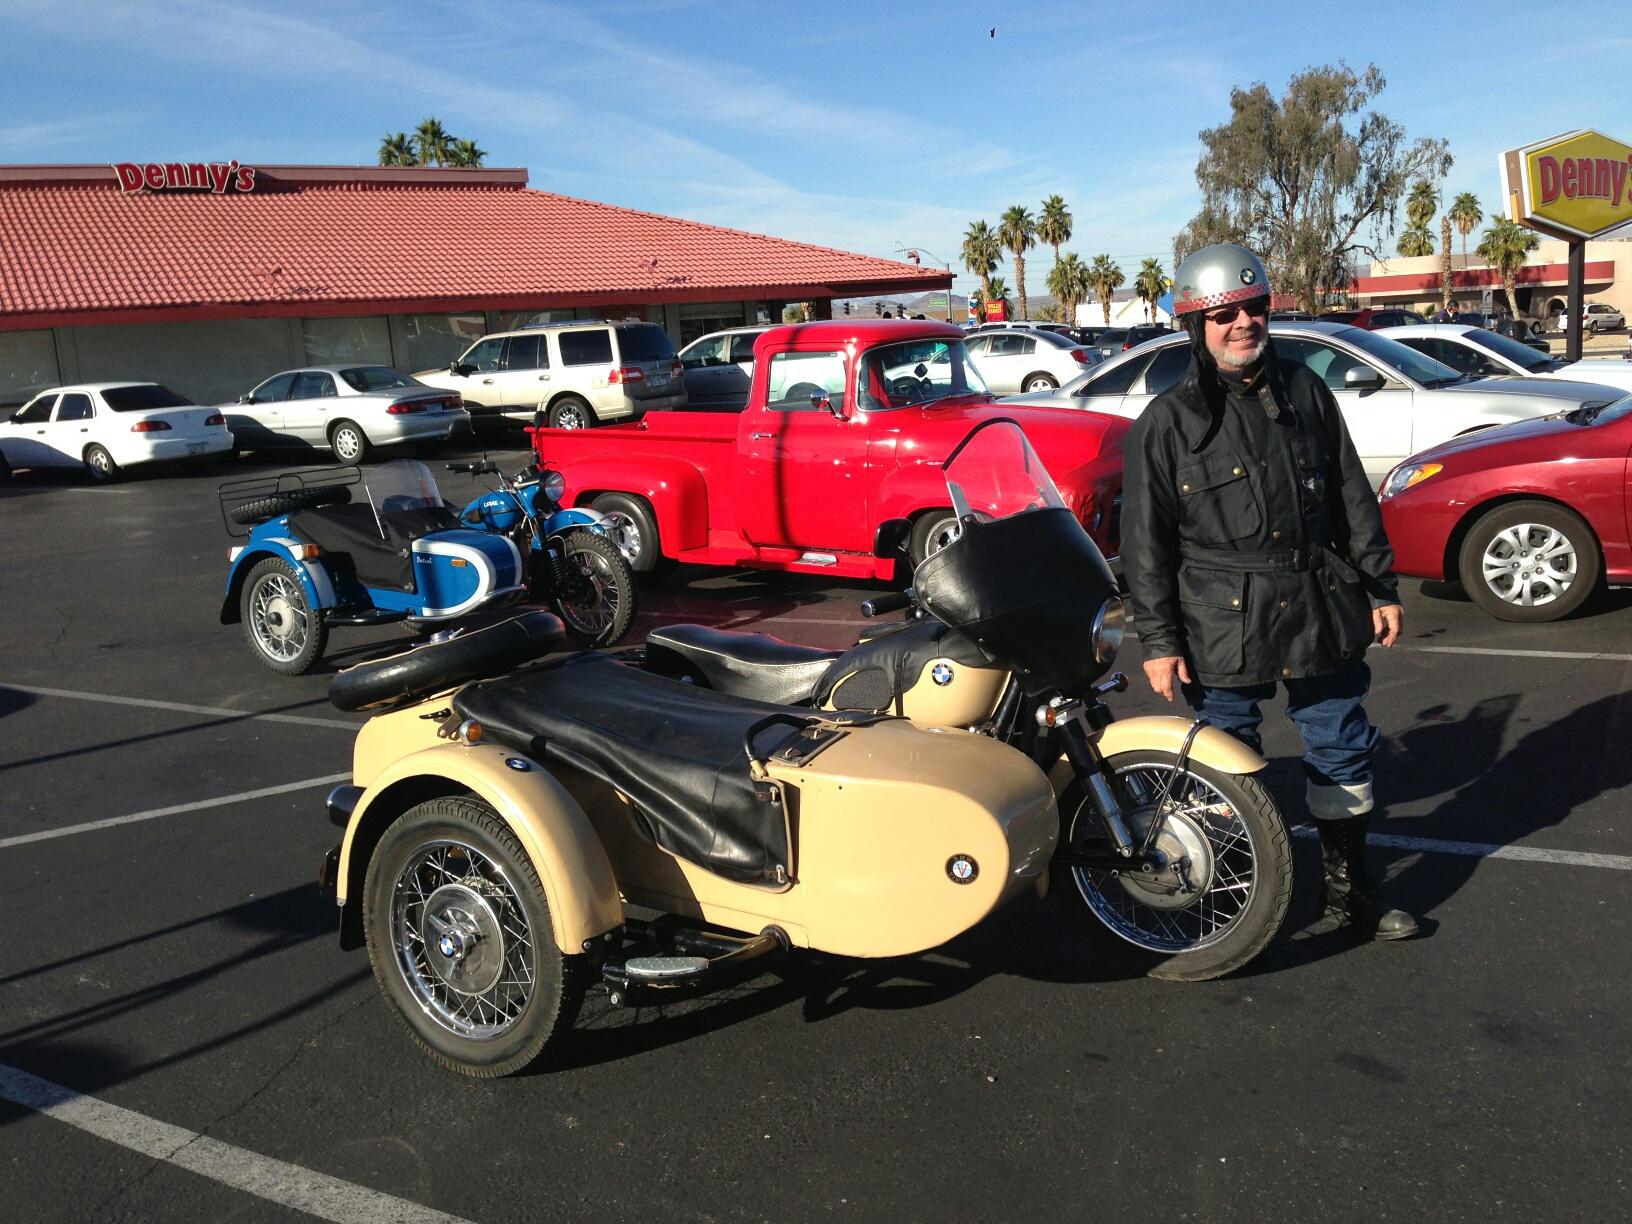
[[347, 341], [511, 320], [28, 364], [431, 341], [700, 318]]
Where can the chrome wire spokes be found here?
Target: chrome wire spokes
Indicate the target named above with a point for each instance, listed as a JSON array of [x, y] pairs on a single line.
[[1530, 564], [462, 940], [277, 617], [1203, 838], [591, 599]]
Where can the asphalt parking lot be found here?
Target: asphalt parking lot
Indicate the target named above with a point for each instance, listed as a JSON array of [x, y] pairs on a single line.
[[181, 1038]]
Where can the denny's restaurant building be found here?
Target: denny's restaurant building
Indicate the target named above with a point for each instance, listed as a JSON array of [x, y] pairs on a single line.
[[208, 277]]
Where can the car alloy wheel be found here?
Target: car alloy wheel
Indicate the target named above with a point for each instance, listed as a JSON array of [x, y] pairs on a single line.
[[1530, 565]]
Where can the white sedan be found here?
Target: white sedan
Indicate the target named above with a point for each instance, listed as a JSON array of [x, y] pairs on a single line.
[[1025, 360], [346, 409], [106, 427], [1485, 354]]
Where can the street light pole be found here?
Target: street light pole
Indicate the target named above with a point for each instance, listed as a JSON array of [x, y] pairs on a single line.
[[914, 251]]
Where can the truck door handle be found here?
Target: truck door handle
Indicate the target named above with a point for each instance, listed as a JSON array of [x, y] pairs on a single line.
[[487, 382], [543, 378], [761, 437]]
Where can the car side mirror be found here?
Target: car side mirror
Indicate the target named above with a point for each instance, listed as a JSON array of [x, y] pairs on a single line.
[[891, 537], [1363, 378], [462, 370], [246, 399]]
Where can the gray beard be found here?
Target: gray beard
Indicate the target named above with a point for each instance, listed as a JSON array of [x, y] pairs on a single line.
[[1232, 362]]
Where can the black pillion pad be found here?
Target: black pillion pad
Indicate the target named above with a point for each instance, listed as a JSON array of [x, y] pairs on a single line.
[[674, 749]]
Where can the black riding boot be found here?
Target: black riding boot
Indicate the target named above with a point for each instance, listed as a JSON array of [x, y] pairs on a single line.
[[1350, 895]]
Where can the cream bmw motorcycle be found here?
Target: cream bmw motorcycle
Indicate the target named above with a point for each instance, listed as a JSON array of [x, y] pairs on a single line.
[[665, 819]]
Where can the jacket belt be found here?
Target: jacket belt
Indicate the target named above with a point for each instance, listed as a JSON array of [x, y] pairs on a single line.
[[1280, 560]]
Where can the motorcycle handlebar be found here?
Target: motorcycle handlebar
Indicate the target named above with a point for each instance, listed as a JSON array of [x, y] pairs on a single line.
[[475, 469], [893, 602]]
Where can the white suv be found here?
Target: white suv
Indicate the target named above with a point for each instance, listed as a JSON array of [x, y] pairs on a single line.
[[567, 375], [1595, 316]]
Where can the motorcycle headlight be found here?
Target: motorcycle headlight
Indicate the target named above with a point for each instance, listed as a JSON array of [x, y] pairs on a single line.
[[1408, 474], [1110, 624], [554, 485]]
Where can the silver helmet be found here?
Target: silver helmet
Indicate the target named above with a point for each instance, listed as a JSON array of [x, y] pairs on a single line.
[[1216, 276]]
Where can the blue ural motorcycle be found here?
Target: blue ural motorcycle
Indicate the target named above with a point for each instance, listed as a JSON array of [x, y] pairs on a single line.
[[573, 564], [337, 546]]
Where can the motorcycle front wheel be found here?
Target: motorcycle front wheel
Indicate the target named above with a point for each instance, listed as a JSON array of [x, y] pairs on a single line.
[[1227, 892], [597, 599]]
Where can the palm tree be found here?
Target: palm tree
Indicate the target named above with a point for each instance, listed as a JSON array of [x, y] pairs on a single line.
[[1505, 247], [1018, 232], [1068, 282], [1104, 279], [1421, 205], [1444, 261], [397, 149], [466, 153], [981, 254], [1415, 241], [1465, 212], [433, 142], [1054, 226], [1150, 284]]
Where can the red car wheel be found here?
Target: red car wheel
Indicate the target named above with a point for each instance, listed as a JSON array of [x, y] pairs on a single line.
[[1530, 561]]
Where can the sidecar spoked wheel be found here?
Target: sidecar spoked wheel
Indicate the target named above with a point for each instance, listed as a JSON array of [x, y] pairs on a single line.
[[1227, 830], [598, 602], [460, 938], [287, 633]]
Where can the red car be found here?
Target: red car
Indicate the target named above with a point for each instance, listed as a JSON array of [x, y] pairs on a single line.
[[846, 425], [1528, 517]]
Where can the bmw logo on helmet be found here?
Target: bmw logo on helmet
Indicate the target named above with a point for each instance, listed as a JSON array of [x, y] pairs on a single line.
[[1248, 276]]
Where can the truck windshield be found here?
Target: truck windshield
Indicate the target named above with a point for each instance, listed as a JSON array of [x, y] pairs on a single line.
[[915, 372]]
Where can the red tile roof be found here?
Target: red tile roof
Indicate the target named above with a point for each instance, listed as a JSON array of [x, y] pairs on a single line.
[[74, 248]]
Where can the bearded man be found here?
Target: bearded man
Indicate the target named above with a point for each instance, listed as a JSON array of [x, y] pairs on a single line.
[[1255, 555]]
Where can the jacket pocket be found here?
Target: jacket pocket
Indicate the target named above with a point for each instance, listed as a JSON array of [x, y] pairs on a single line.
[[1218, 503], [1348, 606], [1213, 604]]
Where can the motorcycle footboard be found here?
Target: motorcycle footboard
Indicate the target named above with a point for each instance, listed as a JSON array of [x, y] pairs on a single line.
[[697, 962]]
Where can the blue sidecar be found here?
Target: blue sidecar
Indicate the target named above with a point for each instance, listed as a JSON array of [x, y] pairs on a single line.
[[343, 546]]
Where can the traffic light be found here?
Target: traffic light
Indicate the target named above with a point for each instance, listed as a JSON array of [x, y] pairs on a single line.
[[847, 309]]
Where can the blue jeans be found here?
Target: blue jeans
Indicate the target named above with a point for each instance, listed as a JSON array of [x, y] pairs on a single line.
[[1338, 738]]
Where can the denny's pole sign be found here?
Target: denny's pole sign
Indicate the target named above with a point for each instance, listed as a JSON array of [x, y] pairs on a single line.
[[1575, 186]]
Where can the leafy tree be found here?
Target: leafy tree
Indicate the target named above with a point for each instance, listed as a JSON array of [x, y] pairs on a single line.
[[981, 254], [465, 153], [1150, 284], [397, 149], [793, 313], [1309, 180], [1054, 225], [1465, 212], [1068, 282], [997, 291], [1018, 232], [1505, 247], [1104, 279], [432, 142]]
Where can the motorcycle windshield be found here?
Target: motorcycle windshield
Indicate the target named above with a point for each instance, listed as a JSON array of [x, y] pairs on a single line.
[[1020, 576]]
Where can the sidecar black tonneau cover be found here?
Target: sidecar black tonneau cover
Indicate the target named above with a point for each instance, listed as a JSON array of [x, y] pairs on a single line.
[[675, 750], [353, 532]]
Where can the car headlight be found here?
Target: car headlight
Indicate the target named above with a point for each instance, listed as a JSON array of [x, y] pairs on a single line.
[[1408, 474], [554, 485], [1110, 624]]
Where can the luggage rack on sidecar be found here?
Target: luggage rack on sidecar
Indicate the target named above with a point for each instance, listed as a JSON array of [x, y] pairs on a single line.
[[254, 499]]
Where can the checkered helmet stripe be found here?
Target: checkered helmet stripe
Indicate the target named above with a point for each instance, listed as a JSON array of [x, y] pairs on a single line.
[[1246, 293]]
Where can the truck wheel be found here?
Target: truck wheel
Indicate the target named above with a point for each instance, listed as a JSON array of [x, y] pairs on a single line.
[[933, 531], [570, 412], [1529, 561], [459, 935], [631, 526]]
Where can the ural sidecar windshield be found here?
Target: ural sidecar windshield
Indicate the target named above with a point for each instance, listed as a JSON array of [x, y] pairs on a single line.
[[404, 485]]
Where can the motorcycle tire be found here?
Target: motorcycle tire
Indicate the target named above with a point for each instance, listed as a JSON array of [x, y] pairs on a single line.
[[594, 562], [1140, 927], [510, 1022], [276, 505], [287, 634], [418, 672]]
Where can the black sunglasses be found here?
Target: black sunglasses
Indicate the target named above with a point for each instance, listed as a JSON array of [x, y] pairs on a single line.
[[1258, 308]]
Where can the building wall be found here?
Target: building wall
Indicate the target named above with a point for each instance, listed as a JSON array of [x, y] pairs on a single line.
[[1617, 293]]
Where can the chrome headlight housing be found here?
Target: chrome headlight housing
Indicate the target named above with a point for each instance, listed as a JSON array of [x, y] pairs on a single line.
[[553, 485], [1406, 475], [1110, 626]]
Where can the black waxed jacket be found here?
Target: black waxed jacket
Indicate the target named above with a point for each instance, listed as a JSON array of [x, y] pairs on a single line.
[[1251, 539]]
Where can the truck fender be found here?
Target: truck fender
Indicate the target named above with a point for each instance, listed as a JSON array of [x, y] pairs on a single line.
[[313, 577], [910, 489], [1160, 733], [674, 489], [577, 876]]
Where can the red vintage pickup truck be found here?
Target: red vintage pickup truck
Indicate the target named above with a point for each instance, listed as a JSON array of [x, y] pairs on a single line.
[[846, 427]]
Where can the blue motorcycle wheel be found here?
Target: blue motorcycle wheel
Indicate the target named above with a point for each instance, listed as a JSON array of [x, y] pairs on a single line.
[[286, 633]]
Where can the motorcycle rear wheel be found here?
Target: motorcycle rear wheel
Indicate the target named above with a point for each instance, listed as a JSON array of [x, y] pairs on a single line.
[[1227, 825]]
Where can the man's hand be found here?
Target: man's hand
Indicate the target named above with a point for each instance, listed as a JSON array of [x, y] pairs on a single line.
[[1160, 673], [1386, 622]]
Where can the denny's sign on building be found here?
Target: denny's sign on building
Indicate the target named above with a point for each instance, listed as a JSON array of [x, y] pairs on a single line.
[[1574, 186]]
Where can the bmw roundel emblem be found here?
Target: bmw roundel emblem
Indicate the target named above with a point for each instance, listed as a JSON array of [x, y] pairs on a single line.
[[941, 674], [961, 869], [1248, 276]]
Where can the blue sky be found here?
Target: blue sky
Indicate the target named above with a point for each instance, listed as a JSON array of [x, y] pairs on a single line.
[[861, 126]]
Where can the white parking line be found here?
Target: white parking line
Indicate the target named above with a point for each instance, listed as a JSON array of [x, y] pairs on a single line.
[[1522, 654], [1526, 854], [277, 1181], [154, 813], [302, 720]]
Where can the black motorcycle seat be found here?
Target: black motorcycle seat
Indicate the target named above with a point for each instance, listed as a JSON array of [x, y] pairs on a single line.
[[675, 750], [754, 665]]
